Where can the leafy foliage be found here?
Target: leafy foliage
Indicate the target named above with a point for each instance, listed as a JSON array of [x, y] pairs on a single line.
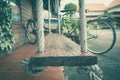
[[70, 8], [69, 25], [6, 37]]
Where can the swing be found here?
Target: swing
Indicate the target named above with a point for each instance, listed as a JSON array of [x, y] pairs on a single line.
[[61, 51]]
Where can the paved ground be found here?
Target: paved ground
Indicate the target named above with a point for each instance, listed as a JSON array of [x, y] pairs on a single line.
[[110, 62]]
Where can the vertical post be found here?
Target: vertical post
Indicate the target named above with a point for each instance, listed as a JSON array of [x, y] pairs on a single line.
[[49, 16], [40, 23], [83, 34], [59, 16]]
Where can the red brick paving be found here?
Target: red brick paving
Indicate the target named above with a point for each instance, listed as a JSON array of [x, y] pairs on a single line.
[[10, 66]]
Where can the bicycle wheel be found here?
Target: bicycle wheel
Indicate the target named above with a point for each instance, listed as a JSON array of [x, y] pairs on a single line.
[[31, 32], [101, 36]]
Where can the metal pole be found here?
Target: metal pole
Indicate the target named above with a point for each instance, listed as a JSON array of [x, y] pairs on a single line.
[[83, 33], [40, 24], [59, 17], [49, 16]]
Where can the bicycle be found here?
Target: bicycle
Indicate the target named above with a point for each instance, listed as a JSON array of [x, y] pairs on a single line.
[[32, 35], [101, 36], [31, 31]]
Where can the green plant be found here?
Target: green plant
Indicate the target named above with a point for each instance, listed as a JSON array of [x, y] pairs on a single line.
[[70, 27], [70, 9], [6, 37]]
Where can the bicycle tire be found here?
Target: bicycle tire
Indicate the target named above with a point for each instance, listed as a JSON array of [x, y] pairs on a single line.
[[108, 41], [31, 31]]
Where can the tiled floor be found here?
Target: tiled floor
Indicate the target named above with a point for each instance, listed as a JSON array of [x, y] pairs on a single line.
[[10, 66]]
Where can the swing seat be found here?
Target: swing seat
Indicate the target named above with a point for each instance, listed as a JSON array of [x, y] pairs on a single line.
[[62, 51]]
